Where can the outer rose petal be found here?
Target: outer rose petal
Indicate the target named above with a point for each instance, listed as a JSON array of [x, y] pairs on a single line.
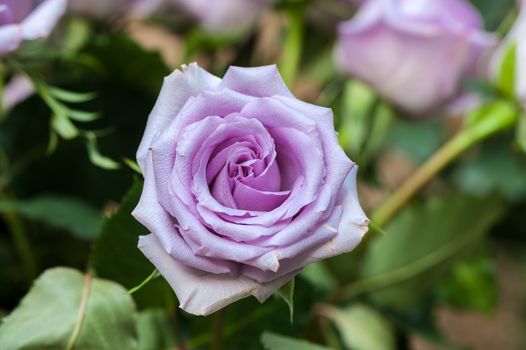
[[177, 88], [262, 81], [350, 231], [40, 22], [10, 38], [152, 215], [202, 293], [19, 8]]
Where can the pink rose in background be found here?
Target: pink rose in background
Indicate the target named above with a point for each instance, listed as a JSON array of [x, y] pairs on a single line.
[[243, 186], [415, 53], [516, 38], [225, 15], [27, 20]]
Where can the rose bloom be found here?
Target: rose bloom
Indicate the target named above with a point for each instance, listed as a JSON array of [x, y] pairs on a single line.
[[516, 40], [415, 53], [243, 186], [27, 20], [224, 15]]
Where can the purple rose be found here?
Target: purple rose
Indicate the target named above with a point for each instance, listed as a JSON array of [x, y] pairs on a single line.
[[27, 20], [516, 40], [243, 186], [415, 53], [225, 15]]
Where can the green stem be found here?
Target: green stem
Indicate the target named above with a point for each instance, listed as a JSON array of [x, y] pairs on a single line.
[[290, 58], [217, 330], [21, 242], [498, 117], [233, 328], [404, 273]]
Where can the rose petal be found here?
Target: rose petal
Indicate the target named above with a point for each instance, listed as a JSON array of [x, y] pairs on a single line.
[[177, 88], [249, 198], [350, 231], [202, 293], [262, 81], [237, 232], [41, 21], [152, 215], [19, 8], [10, 38]]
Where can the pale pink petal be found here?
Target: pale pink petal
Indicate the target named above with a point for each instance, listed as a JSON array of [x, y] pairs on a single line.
[[17, 90], [202, 293], [41, 21], [262, 81], [177, 88], [10, 38]]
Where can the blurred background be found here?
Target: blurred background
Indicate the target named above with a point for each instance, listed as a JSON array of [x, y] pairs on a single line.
[[446, 272]]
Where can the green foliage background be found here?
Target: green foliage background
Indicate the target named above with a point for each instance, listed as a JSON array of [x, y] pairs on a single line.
[[68, 242]]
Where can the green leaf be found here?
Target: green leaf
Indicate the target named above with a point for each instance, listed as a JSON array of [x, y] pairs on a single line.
[[155, 330], [82, 116], [77, 33], [358, 103], [287, 294], [70, 96], [521, 133], [132, 165], [416, 140], [361, 327], [52, 143], [319, 276], [110, 50], [63, 126], [155, 274], [402, 267], [496, 167], [95, 156], [68, 213], [66, 310], [507, 73], [273, 341], [472, 285], [116, 256]]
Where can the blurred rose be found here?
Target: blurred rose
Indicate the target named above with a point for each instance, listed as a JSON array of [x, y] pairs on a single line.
[[415, 53], [515, 40], [17, 90], [27, 20], [225, 15], [113, 8], [244, 185]]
